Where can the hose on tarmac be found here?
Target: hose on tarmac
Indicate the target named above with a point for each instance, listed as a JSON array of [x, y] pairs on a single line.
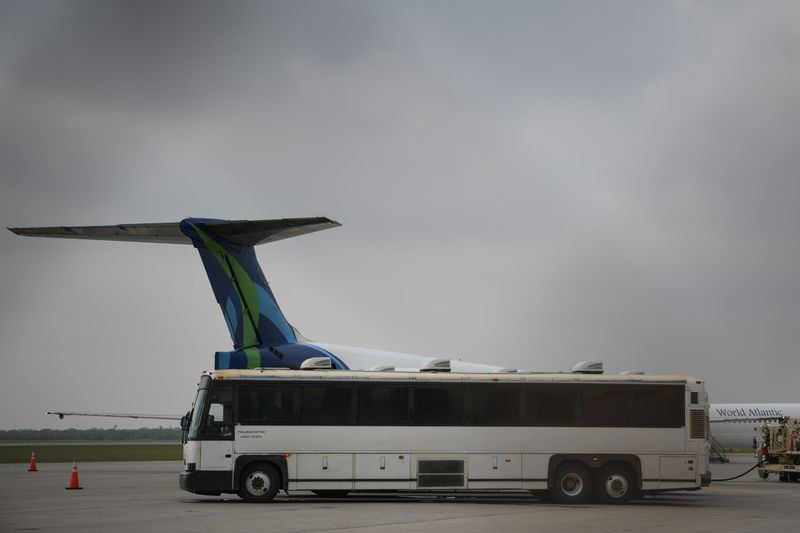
[[740, 475]]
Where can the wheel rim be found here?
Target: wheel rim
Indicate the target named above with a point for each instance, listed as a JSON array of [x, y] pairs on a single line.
[[257, 483], [572, 484], [616, 485]]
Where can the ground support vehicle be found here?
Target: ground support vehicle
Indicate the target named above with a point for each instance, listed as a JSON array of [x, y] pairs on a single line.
[[779, 451]]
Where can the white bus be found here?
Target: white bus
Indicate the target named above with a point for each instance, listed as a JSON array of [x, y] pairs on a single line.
[[565, 436]]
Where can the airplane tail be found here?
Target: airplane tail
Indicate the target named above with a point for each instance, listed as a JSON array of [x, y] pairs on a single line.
[[262, 337]]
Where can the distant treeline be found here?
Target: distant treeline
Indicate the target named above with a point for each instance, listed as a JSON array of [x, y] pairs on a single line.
[[145, 434]]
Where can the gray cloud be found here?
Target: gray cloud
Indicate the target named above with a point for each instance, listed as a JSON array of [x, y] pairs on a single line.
[[524, 183]]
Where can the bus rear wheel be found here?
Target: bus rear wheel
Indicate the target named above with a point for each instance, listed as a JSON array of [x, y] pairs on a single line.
[[572, 484], [259, 483], [615, 484]]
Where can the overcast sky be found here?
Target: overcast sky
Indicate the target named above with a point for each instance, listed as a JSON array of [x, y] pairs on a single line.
[[529, 184]]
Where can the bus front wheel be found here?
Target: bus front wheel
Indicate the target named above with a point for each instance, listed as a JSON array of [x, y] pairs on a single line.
[[615, 484], [259, 483], [572, 484]]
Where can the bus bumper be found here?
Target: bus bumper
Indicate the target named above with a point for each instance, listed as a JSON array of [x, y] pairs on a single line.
[[209, 482]]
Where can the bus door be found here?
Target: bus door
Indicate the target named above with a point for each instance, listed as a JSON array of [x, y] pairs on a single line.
[[216, 432]]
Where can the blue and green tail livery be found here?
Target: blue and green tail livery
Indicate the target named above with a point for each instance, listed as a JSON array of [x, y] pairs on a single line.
[[261, 335]]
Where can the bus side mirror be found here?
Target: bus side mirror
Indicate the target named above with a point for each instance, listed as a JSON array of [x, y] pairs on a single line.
[[185, 420]]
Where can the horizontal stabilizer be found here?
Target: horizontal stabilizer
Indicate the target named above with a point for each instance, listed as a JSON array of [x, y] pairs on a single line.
[[261, 334], [242, 232]]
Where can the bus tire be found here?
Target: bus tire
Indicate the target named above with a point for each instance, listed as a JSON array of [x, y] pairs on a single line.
[[259, 483], [331, 493], [615, 484], [572, 484]]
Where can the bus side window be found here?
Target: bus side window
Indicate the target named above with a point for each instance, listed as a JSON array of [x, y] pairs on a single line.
[[495, 405], [219, 420], [605, 406], [325, 405], [267, 404], [442, 405], [658, 407], [550, 405]]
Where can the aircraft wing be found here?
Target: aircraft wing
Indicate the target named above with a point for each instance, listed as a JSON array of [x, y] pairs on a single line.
[[62, 414]]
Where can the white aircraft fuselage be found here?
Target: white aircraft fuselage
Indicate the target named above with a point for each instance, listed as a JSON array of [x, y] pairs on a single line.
[[736, 425]]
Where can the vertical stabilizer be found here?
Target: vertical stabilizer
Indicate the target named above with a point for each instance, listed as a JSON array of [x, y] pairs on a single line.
[[240, 288]]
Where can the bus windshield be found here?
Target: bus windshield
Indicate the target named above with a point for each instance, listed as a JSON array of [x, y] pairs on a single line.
[[197, 412]]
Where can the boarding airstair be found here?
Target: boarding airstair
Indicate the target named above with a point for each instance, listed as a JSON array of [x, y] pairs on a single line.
[[717, 452]]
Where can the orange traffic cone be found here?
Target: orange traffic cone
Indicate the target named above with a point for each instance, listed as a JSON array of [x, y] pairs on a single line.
[[73, 480], [32, 467]]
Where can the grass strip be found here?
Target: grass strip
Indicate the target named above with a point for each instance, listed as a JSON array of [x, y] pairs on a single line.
[[92, 452]]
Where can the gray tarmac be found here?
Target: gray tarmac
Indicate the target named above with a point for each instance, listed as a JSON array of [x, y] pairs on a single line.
[[144, 496]]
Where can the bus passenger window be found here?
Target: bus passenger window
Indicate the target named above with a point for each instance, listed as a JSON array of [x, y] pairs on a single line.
[[605, 407], [272, 404], [382, 405], [440, 405], [331, 404], [550, 406], [658, 407], [493, 405]]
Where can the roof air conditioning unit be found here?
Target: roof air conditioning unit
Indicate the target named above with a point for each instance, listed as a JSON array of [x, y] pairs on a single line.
[[436, 365], [588, 367], [316, 363]]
